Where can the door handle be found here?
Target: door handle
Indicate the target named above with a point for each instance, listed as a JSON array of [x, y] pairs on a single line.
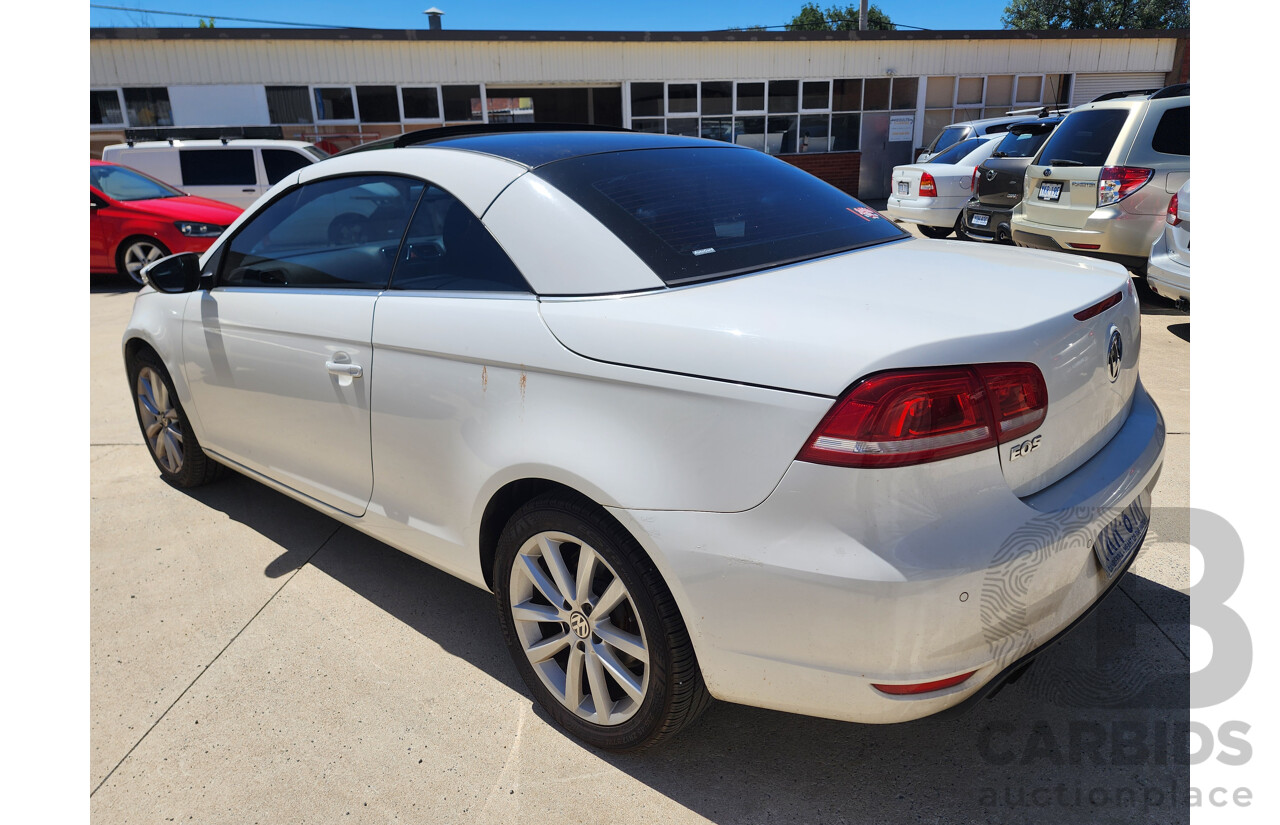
[[248, 190], [350, 370]]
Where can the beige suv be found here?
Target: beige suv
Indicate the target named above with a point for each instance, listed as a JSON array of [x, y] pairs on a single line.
[[1101, 184]]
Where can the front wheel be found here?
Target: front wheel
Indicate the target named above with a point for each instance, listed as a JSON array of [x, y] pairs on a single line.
[[165, 428], [592, 627], [135, 253]]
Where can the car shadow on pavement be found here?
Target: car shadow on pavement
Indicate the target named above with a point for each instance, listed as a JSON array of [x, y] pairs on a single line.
[[1183, 331], [1095, 731]]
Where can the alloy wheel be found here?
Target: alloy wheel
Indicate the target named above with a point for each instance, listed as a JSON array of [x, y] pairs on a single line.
[[578, 626], [160, 424], [138, 255]]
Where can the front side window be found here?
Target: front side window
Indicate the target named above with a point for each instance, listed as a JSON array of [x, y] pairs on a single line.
[[447, 249], [697, 214], [217, 167], [280, 163], [339, 233]]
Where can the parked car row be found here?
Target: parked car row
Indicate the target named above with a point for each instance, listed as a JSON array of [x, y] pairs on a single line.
[[149, 199], [1097, 182]]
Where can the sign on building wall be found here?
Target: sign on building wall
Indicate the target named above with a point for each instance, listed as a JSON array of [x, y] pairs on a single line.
[[902, 127]]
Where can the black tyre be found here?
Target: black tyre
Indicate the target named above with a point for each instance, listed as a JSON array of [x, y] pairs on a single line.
[[165, 428], [934, 232], [135, 253], [593, 628]]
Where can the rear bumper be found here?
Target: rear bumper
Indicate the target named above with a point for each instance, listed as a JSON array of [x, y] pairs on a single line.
[[998, 222], [1120, 236], [940, 212], [1167, 276], [843, 579]]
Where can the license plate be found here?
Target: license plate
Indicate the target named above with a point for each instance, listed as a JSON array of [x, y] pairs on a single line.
[[1122, 537], [1050, 191], [978, 220], [904, 188]]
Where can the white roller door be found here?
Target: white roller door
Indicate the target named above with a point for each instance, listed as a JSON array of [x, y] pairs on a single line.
[[1089, 86]]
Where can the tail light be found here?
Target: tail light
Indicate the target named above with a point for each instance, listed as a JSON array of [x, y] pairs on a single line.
[[904, 417], [928, 189], [973, 181], [1115, 183], [923, 687], [1171, 216]]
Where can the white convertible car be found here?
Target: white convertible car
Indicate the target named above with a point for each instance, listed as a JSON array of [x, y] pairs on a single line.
[[705, 425]]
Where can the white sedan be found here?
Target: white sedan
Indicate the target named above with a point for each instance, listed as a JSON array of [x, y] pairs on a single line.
[[932, 195], [705, 425], [1169, 267]]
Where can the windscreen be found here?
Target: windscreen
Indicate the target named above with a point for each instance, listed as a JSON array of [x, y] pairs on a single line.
[[119, 183], [694, 214], [1084, 138]]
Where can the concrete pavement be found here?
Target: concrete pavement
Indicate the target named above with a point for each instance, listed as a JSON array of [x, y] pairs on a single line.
[[254, 661]]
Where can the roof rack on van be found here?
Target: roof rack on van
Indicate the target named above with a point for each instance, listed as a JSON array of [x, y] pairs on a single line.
[[1176, 90], [222, 133], [423, 136]]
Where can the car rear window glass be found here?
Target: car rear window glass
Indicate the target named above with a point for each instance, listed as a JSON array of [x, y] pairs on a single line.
[[1084, 138], [957, 151], [696, 214], [334, 233], [280, 163], [217, 167], [1023, 143], [1173, 132], [948, 137]]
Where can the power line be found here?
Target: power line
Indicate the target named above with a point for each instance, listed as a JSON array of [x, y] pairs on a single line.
[[219, 17]]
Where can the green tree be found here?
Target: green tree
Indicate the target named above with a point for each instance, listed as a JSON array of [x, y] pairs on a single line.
[[1097, 14], [838, 19], [206, 24]]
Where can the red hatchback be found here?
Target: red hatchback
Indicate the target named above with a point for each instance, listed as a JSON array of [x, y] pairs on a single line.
[[135, 219]]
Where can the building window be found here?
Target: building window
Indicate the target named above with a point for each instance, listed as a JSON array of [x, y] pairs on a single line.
[[334, 103], [420, 102], [463, 103], [378, 104], [774, 116], [288, 105], [105, 108], [950, 99], [148, 106]]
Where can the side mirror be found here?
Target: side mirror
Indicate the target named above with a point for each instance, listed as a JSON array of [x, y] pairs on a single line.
[[174, 274]]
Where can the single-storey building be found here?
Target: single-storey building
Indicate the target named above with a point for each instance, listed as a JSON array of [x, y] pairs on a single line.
[[846, 106]]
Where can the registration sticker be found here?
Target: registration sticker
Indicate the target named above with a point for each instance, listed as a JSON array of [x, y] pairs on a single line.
[[1123, 536]]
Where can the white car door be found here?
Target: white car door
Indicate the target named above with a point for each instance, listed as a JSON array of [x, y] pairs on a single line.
[[278, 354]]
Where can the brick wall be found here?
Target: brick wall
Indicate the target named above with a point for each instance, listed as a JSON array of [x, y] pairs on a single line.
[[840, 169]]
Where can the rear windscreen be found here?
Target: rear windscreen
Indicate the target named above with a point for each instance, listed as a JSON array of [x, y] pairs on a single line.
[[693, 214], [1022, 144], [957, 151], [1084, 138]]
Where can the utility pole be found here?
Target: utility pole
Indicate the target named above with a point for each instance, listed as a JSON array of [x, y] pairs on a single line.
[[862, 16]]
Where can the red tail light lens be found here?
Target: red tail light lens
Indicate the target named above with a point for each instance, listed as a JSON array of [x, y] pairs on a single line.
[[1171, 215], [923, 687], [973, 181], [928, 189], [1115, 183], [905, 417]]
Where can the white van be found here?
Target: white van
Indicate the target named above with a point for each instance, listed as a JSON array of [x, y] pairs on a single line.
[[232, 171]]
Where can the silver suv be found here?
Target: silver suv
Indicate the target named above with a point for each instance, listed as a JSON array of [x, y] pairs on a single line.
[[1101, 184]]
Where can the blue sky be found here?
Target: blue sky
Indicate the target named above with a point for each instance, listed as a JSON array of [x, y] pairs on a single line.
[[652, 15]]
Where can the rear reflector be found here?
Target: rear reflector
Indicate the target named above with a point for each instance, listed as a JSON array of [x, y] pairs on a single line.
[[904, 417], [1098, 308], [923, 687], [1085, 245]]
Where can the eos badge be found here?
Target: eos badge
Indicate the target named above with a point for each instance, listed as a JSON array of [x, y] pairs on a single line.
[[1025, 448]]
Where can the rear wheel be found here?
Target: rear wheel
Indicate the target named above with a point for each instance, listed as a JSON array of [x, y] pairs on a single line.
[[592, 627], [935, 232]]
